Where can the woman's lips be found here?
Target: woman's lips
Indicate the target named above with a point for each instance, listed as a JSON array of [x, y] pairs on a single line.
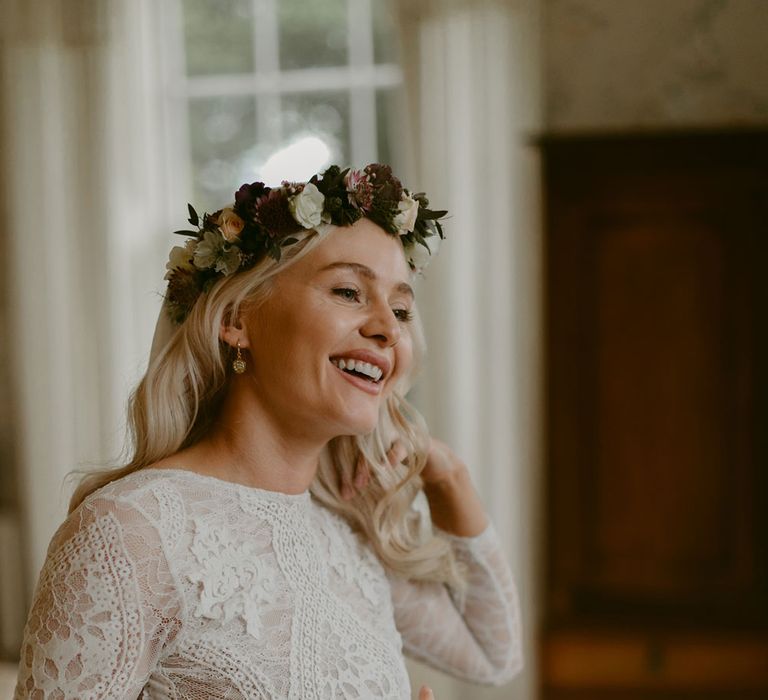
[[359, 382]]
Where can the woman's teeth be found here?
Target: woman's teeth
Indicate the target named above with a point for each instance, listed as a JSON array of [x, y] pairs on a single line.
[[366, 368]]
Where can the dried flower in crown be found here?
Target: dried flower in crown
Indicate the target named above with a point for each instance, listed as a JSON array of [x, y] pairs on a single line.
[[264, 220]]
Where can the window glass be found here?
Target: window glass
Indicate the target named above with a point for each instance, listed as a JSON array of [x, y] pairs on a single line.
[[389, 123], [222, 138], [218, 36], [384, 32], [312, 33], [322, 115]]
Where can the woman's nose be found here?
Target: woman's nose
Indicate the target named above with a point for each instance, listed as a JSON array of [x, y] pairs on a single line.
[[382, 325]]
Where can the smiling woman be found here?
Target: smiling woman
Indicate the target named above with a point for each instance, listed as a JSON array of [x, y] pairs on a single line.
[[262, 542], [353, 313]]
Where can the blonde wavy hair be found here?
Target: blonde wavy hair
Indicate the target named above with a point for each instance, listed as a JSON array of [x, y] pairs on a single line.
[[179, 397]]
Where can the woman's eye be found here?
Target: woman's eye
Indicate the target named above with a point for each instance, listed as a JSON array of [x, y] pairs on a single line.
[[403, 315], [346, 293]]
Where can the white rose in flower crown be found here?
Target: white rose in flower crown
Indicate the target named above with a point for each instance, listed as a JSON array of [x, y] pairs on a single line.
[[230, 224], [307, 206], [420, 256], [405, 220]]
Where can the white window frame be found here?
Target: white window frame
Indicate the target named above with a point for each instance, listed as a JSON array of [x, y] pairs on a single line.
[[361, 78]]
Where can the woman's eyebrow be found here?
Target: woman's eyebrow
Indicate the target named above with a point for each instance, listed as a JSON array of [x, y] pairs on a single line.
[[365, 271]]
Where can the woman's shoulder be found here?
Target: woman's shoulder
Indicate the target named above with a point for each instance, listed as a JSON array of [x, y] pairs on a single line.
[[134, 501], [160, 479], [140, 487], [172, 493], [152, 504]]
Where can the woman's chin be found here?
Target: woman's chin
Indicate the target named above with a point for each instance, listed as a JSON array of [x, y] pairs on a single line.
[[359, 425]]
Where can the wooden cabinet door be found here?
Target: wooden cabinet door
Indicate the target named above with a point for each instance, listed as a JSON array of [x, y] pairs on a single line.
[[657, 496]]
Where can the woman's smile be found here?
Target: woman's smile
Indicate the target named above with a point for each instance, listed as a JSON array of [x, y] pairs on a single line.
[[367, 384]]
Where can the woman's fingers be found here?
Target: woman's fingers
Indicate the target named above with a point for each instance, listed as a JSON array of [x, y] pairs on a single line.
[[358, 480], [347, 491], [362, 472], [426, 693], [397, 453]]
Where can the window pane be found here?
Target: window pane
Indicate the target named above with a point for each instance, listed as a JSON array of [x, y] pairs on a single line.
[[384, 32], [218, 36], [389, 125], [324, 115], [312, 33], [222, 139]]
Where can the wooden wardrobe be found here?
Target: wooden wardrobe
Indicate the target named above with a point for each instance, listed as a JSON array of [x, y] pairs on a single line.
[[657, 417]]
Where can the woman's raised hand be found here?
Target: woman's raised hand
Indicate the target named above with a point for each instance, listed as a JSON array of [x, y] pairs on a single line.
[[442, 464], [453, 501], [426, 693], [362, 475]]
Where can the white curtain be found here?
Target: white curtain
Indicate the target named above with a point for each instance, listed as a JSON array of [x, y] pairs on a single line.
[[472, 79], [83, 178]]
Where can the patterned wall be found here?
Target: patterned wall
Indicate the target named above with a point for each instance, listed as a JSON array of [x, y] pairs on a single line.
[[637, 64]]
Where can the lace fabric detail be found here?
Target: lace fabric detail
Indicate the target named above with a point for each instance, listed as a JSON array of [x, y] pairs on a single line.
[[96, 578], [474, 635], [171, 514], [234, 578], [170, 585], [336, 653], [364, 571], [88, 634]]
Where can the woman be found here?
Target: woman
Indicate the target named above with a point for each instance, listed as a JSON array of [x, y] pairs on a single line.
[[262, 542]]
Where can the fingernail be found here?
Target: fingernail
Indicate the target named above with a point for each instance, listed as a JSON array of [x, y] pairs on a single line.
[[361, 480]]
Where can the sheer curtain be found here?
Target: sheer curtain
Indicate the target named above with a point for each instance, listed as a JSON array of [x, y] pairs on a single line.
[[472, 79], [83, 179]]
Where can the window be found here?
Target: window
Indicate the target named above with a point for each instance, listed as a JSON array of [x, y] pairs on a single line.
[[278, 89]]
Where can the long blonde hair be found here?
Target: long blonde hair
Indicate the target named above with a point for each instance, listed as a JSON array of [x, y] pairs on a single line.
[[179, 397]]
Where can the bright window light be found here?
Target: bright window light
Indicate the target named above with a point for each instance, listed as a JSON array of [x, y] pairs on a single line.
[[296, 162]]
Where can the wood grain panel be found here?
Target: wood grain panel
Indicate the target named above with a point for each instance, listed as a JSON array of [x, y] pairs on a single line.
[[657, 409]]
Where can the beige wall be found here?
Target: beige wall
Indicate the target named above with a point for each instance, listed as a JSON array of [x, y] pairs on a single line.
[[649, 64]]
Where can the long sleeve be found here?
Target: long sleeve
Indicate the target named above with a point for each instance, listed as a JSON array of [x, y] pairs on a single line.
[[105, 608], [474, 637]]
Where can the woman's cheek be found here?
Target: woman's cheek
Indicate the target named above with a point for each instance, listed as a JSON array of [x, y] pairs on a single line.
[[403, 360]]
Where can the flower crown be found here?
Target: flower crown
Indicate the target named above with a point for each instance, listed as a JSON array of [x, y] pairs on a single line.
[[264, 220]]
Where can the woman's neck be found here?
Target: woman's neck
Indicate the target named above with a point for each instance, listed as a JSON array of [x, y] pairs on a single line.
[[249, 446]]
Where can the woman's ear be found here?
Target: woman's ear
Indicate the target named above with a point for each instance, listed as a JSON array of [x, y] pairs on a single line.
[[232, 331]]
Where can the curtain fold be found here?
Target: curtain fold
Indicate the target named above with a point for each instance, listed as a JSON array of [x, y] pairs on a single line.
[[472, 84], [82, 177]]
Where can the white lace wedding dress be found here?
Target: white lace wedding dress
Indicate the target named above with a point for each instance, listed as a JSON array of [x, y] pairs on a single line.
[[170, 584]]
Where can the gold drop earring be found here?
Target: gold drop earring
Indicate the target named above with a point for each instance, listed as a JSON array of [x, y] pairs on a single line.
[[239, 363]]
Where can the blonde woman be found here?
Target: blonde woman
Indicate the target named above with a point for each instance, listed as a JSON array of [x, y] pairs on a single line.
[[263, 541]]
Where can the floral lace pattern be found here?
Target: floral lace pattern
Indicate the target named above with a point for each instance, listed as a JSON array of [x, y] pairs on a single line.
[[361, 571], [234, 578], [83, 637], [169, 584], [93, 573]]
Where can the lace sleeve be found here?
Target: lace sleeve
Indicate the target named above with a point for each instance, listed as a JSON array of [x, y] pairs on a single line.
[[105, 607], [475, 636]]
